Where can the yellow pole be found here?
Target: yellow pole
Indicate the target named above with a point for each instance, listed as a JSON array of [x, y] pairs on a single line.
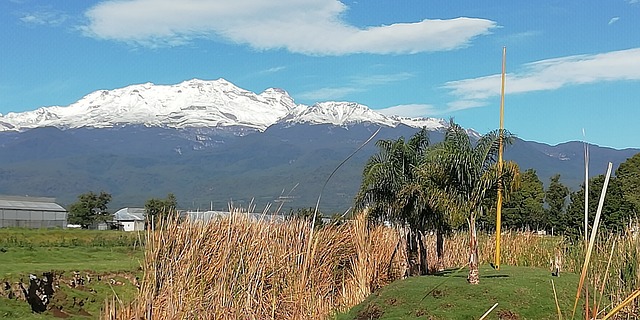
[[499, 205]]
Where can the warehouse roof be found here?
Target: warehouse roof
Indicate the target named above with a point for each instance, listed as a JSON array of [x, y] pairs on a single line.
[[30, 203], [129, 214]]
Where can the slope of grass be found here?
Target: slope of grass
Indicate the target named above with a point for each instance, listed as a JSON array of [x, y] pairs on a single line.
[[521, 293]]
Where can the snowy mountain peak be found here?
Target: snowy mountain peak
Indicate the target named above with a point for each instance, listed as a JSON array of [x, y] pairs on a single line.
[[199, 103], [338, 113]]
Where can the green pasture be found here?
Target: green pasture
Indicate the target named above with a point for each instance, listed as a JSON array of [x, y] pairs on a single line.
[[111, 254]]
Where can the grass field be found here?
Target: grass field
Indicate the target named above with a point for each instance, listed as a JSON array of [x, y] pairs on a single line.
[[521, 293], [113, 255]]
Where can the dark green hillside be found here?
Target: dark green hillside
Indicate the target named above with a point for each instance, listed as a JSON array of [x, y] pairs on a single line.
[[201, 166]]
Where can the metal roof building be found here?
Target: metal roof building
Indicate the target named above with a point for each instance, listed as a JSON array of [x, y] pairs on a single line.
[[31, 212], [131, 219]]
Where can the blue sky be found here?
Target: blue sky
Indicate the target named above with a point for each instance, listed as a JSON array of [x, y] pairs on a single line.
[[571, 65]]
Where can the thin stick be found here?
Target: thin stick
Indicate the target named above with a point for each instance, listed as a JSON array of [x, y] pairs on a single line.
[[594, 231], [626, 301], [315, 212], [604, 280], [586, 188], [488, 311], [555, 296]]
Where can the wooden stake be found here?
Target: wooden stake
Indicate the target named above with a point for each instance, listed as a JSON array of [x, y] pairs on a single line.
[[592, 240], [496, 263]]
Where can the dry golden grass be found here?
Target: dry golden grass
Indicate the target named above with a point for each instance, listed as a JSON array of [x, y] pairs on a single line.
[[236, 268], [614, 272], [518, 249]]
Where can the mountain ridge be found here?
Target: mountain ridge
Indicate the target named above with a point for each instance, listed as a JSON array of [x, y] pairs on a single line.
[[206, 147], [199, 103]]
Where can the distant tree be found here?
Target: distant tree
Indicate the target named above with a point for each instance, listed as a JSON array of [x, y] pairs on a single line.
[[90, 208], [617, 211], [307, 214], [555, 198], [524, 208], [628, 175], [159, 209]]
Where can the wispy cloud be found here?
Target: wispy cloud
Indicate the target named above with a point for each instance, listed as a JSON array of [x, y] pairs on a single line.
[[44, 17], [613, 20], [633, 1], [551, 74], [313, 27], [272, 70], [328, 93], [381, 79], [411, 110], [354, 85]]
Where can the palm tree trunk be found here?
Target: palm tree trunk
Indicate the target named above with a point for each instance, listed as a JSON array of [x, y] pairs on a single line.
[[416, 254], [412, 254], [474, 274], [422, 252], [440, 249]]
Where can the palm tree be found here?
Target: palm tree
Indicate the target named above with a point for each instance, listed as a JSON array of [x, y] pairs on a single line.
[[388, 179], [468, 173]]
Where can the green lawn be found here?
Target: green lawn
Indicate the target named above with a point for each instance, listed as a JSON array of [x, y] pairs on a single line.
[[521, 293], [112, 254]]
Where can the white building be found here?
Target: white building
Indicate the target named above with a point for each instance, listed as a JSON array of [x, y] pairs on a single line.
[[131, 219]]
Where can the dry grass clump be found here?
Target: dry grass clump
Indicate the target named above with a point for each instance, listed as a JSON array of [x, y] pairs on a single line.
[[614, 272], [518, 249], [237, 268]]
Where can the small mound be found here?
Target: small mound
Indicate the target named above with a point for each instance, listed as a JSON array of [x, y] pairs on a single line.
[[521, 293]]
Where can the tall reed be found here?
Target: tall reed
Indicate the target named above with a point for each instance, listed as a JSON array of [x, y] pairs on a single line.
[[238, 268], [518, 249]]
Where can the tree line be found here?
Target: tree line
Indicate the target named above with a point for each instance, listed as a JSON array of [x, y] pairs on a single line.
[[560, 211], [92, 208], [454, 185]]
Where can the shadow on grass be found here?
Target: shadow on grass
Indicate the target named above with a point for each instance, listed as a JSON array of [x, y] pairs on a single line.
[[461, 273]]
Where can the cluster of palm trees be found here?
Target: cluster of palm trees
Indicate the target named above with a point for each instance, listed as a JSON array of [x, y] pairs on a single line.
[[436, 187]]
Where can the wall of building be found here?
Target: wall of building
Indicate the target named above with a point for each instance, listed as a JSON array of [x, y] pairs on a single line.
[[32, 219]]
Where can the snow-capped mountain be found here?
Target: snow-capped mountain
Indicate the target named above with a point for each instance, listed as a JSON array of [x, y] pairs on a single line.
[[199, 104], [337, 113]]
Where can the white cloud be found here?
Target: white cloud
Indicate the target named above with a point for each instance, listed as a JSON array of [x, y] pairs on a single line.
[[52, 18], [410, 110], [381, 79], [272, 70], [549, 74], [633, 1], [613, 20], [312, 27]]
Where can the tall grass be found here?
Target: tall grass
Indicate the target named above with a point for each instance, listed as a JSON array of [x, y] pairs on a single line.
[[614, 271], [240, 268], [518, 249], [243, 269]]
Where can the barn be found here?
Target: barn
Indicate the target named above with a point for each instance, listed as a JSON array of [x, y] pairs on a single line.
[[31, 212], [130, 219]]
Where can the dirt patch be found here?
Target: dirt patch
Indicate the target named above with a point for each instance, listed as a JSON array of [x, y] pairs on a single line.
[[44, 293], [59, 313], [438, 293], [371, 312], [392, 301], [508, 315]]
